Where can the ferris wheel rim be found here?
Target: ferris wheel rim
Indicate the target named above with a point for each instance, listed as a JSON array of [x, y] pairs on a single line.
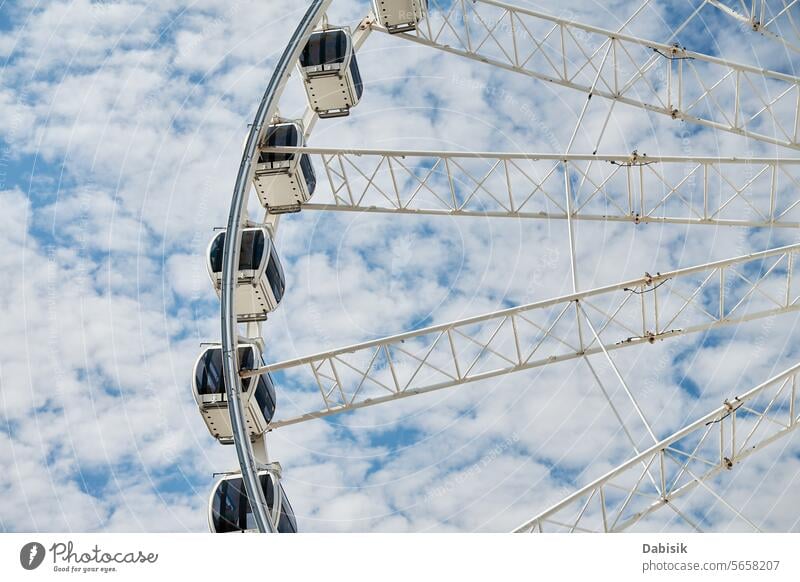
[[267, 109], [229, 335]]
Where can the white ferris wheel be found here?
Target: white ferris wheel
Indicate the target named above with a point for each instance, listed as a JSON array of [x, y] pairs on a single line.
[[233, 386]]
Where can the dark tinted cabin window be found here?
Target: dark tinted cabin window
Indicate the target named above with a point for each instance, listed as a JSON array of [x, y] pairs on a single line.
[[230, 510], [246, 358], [215, 253], [230, 506], [282, 135], [286, 522], [265, 396], [208, 374], [324, 48], [246, 362], [250, 251], [269, 492], [356, 74], [275, 276], [308, 173]]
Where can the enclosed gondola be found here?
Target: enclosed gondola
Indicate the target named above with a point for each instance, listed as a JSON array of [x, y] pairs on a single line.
[[260, 281], [209, 392], [229, 507], [400, 15], [283, 180], [330, 72]]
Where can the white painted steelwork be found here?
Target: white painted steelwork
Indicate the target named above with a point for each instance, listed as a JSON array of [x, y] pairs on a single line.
[[693, 456], [662, 78], [640, 311], [751, 192], [654, 76]]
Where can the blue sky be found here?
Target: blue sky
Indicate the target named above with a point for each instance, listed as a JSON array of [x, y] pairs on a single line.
[[123, 123]]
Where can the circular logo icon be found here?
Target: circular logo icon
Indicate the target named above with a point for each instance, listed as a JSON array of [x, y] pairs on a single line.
[[31, 555]]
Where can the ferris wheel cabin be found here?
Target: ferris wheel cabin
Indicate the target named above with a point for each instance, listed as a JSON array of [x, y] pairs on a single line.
[[400, 15], [283, 180], [330, 72], [209, 393], [260, 281], [229, 507]]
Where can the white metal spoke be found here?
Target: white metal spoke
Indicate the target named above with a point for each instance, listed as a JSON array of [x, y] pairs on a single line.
[[619, 418], [703, 89], [617, 373], [721, 499], [683, 516], [772, 18], [713, 453], [754, 192], [542, 333]]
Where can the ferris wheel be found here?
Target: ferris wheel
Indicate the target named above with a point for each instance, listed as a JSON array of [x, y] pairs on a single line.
[[240, 401]]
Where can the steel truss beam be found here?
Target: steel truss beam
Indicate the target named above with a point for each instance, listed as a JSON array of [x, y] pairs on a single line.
[[775, 19], [640, 311], [690, 457], [657, 77], [752, 192]]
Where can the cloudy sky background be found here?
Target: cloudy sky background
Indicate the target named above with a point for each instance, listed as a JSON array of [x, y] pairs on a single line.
[[121, 128]]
